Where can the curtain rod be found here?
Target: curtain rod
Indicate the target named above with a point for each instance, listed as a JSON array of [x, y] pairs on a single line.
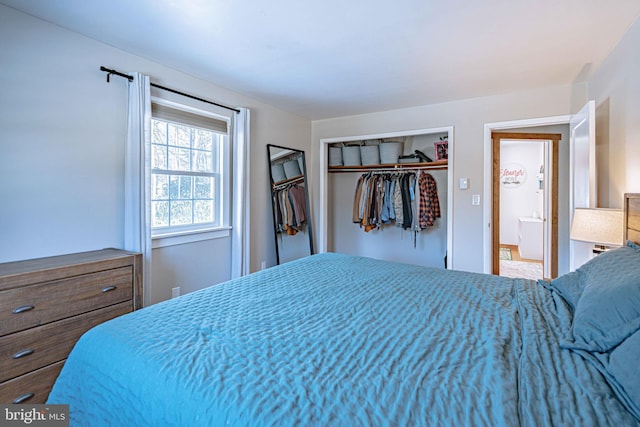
[[110, 71]]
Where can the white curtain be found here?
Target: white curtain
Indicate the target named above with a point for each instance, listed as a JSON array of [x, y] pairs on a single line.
[[137, 177], [240, 241]]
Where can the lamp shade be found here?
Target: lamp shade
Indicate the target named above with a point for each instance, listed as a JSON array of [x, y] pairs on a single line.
[[600, 226]]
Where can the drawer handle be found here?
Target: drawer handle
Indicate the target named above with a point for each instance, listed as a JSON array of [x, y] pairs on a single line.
[[22, 309], [22, 398], [23, 353], [109, 288]]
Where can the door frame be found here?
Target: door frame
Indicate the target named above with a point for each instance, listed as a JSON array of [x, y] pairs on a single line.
[[487, 213], [551, 210]]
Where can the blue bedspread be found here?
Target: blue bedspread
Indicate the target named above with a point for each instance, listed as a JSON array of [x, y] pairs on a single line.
[[337, 340]]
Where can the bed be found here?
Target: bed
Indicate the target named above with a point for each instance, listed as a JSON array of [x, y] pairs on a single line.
[[339, 340]]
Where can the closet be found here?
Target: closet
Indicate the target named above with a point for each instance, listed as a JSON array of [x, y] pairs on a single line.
[[358, 222]]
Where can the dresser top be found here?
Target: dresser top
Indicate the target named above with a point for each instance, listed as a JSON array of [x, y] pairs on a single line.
[[18, 273]]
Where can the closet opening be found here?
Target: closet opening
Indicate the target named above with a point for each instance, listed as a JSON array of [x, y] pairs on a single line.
[[355, 217]]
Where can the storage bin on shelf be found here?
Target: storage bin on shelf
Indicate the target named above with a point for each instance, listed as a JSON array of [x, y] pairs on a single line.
[[369, 155], [277, 172], [292, 169], [335, 156], [351, 155], [390, 151]]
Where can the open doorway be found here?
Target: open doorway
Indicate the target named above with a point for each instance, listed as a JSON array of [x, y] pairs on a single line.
[[578, 130], [525, 204]]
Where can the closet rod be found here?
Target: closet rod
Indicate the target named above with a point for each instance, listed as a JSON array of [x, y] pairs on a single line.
[[282, 184], [390, 169], [110, 71]]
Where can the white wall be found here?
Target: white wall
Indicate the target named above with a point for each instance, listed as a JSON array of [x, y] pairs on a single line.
[[62, 132], [616, 88], [468, 118]]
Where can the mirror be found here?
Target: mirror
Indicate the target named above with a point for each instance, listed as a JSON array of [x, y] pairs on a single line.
[[290, 203]]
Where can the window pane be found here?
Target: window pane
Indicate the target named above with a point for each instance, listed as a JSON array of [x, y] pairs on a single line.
[[179, 158], [159, 187], [181, 212], [203, 188], [203, 139], [185, 187], [158, 132], [160, 214], [203, 211], [174, 182], [183, 136], [158, 156], [182, 198], [202, 161], [172, 136]]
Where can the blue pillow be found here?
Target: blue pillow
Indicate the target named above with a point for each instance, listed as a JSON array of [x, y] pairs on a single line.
[[621, 369], [570, 287], [623, 372], [608, 311]]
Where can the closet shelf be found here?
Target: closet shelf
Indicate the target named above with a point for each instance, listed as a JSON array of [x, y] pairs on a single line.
[[289, 181], [437, 165]]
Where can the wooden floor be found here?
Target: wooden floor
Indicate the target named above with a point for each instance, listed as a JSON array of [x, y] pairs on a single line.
[[515, 254]]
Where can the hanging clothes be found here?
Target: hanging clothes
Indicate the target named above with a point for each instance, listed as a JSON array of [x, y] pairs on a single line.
[[387, 215], [429, 203], [397, 200], [356, 212], [409, 201], [277, 211], [365, 203], [377, 200], [408, 195], [298, 201], [290, 208]]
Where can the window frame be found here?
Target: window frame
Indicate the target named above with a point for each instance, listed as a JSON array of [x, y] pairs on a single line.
[[168, 236]]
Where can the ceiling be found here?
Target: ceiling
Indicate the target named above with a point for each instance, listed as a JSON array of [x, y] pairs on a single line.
[[334, 58]]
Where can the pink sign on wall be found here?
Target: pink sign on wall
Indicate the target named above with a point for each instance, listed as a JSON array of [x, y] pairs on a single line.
[[513, 175]]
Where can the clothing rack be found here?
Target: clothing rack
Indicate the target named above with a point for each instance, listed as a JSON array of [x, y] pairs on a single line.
[[390, 171], [110, 72], [397, 196], [391, 168], [283, 184]]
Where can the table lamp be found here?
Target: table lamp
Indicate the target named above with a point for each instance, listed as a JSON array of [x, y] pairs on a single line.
[[604, 227]]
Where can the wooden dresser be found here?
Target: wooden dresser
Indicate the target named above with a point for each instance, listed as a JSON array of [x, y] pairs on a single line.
[[46, 304]]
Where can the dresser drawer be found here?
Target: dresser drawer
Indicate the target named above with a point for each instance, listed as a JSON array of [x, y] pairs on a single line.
[[33, 387], [29, 306], [25, 351]]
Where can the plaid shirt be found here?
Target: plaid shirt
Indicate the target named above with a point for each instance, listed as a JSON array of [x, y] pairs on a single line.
[[429, 204]]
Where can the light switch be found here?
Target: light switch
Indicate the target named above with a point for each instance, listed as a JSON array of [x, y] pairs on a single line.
[[475, 199], [464, 183]]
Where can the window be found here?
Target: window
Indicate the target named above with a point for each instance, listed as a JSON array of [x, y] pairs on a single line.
[[189, 190]]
